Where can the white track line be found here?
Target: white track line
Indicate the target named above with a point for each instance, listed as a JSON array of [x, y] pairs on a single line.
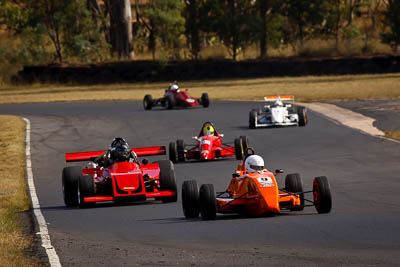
[[43, 231]]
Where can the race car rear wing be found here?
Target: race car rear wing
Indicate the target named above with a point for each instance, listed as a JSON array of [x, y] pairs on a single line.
[[140, 152], [282, 98]]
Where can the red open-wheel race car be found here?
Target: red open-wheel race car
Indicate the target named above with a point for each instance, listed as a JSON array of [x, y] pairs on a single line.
[[254, 194], [208, 146], [174, 97], [121, 181]]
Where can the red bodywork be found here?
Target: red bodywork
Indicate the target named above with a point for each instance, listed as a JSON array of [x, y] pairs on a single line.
[[255, 194], [126, 179], [183, 99], [209, 147]]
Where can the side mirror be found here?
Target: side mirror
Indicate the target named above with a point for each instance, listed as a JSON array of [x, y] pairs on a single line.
[[145, 161], [222, 135], [279, 171], [235, 175]]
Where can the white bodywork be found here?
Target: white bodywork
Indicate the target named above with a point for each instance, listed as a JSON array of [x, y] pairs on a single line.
[[276, 114]]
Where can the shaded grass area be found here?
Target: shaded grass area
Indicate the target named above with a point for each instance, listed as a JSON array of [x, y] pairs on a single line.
[[13, 195], [305, 89]]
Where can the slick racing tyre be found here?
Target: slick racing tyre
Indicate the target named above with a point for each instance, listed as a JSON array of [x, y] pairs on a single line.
[[208, 204], [85, 189], [169, 101], [205, 101], [180, 145], [190, 199], [294, 184], [70, 177], [322, 195], [167, 180], [238, 149], [302, 113], [148, 102], [173, 152], [245, 144], [253, 119]]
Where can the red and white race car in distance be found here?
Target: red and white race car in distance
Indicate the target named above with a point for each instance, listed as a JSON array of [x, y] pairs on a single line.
[[174, 97], [278, 114], [254, 194], [121, 181], [208, 146]]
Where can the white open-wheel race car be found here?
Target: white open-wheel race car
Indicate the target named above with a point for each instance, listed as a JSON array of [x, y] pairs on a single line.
[[278, 113]]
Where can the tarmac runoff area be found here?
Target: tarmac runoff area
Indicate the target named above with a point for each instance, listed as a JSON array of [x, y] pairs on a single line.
[[346, 117]]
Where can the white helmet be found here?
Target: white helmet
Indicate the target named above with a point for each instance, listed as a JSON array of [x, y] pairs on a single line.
[[174, 87], [254, 163], [278, 103]]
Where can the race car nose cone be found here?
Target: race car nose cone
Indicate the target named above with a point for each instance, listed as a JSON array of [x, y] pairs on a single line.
[[204, 154]]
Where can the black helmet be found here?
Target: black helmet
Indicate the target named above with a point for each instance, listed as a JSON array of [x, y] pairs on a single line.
[[119, 150]]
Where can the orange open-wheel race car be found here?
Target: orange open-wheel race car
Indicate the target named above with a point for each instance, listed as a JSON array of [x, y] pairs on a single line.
[[254, 194]]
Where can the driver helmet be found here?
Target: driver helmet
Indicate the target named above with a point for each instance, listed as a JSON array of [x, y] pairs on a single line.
[[254, 163], [278, 103], [208, 129], [174, 87], [119, 150]]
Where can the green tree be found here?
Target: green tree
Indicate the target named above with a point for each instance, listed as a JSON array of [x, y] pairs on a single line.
[[165, 23], [235, 22], [391, 21]]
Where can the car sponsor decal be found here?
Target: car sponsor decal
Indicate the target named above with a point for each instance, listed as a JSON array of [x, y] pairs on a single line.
[[267, 185], [265, 180], [206, 142]]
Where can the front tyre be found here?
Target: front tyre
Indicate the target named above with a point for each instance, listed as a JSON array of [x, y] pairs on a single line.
[[169, 101], [294, 184], [85, 189], [148, 102], [190, 199], [173, 152], [205, 101], [208, 204], [322, 195], [302, 114], [70, 178], [167, 180], [253, 119], [239, 149], [180, 146]]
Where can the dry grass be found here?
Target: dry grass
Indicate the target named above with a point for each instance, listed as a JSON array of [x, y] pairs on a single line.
[[305, 89], [13, 196], [393, 134]]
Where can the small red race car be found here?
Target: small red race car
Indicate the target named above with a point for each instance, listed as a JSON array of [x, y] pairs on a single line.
[[254, 194], [121, 181], [207, 147], [174, 97]]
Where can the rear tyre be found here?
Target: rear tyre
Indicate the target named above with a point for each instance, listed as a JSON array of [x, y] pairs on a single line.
[[208, 205], [70, 178], [85, 189], [167, 180], [294, 184], [239, 149], [169, 102], [190, 199], [302, 113], [180, 145], [245, 144], [253, 119], [205, 101], [148, 102], [322, 195], [173, 152]]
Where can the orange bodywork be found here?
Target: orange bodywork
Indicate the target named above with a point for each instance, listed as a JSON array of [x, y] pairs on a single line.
[[255, 194]]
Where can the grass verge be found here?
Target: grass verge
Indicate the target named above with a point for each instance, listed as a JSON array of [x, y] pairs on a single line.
[[305, 89], [13, 195], [393, 134]]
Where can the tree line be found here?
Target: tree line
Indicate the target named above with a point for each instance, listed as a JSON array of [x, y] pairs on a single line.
[[94, 30]]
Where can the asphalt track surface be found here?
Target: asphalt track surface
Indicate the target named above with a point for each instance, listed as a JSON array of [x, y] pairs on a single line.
[[364, 174]]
